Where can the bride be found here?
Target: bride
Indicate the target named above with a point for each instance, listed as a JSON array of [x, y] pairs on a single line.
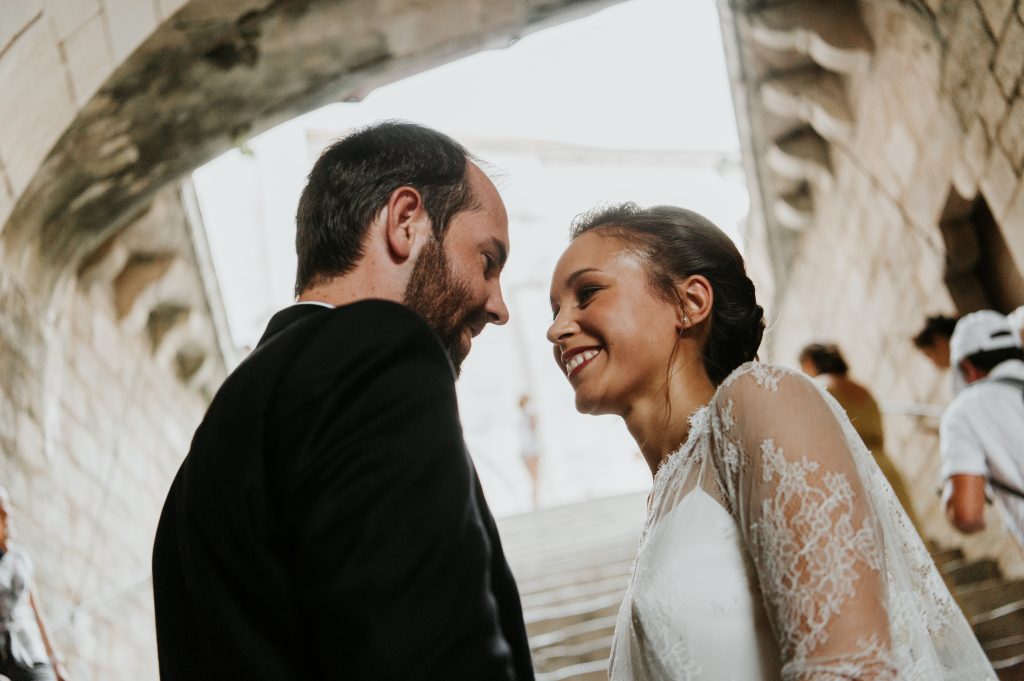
[[773, 547]]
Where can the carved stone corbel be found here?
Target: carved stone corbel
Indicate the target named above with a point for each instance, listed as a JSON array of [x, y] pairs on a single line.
[[801, 155], [795, 210], [831, 32], [813, 96]]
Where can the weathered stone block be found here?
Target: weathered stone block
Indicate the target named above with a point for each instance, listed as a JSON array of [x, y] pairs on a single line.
[[1009, 60], [999, 183], [967, 59], [968, 170], [67, 16], [992, 106], [1013, 228], [15, 16], [89, 58], [1011, 134], [6, 201], [996, 13], [130, 23], [36, 105], [900, 153]]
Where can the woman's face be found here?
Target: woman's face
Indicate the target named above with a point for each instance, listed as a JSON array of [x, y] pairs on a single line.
[[613, 336]]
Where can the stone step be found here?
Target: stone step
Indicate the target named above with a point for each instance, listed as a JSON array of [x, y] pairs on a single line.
[[1000, 623], [571, 593], [571, 564], [1010, 670], [620, 568], [1005, 651], [553, 618], [984, 596], [557, 657], [944, 556], [585, 671], [969, 572], [575, 633]]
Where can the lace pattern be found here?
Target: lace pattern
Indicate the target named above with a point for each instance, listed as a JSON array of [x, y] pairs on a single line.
[[841, 578]]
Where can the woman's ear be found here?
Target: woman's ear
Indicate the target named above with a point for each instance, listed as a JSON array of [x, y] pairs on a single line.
[[697, 297], [406, 224]]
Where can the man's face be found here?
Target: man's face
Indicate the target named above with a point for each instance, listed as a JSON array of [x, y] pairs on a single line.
[[455, 284]]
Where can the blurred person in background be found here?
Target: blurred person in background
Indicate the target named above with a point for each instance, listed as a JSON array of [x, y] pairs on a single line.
[[826, 363], [981, 437], [529, 445], [26, 653], [1016, 320], [933, 339]]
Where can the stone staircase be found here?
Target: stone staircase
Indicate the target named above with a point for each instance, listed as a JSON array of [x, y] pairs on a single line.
[[993, 605], [572, 564]]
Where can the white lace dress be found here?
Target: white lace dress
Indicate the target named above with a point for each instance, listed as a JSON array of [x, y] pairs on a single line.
[[775, 549]]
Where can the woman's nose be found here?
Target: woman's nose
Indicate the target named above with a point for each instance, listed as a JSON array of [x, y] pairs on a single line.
[[560, 329]]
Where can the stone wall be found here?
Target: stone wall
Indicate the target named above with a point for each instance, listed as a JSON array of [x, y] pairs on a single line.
[[97, 409], [937, 122], [93, 432]]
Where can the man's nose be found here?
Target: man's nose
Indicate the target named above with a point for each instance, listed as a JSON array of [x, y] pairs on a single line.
[[496, 308]]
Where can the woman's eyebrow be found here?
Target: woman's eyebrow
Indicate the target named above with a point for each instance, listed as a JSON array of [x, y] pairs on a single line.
[[571, 279]]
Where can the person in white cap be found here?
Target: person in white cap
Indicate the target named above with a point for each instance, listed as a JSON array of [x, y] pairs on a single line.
[[982, 433], [1016, 319]]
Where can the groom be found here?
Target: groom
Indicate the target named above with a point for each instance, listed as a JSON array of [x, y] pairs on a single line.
[[327, 522]]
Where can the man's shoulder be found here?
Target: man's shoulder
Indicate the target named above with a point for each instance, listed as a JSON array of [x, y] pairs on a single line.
[[350, 331], [373, 327]]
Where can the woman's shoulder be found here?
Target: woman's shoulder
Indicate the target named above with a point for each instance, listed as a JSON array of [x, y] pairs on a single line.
[[759, 378]]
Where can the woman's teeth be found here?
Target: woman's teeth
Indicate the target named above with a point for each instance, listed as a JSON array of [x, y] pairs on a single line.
[[579, 359]]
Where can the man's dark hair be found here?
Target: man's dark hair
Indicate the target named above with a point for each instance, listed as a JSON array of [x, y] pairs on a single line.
[[938, 325], [988, 360], [826, 358], [353, 180]]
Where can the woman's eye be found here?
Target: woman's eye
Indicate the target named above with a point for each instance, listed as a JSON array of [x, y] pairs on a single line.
[[586, 294]]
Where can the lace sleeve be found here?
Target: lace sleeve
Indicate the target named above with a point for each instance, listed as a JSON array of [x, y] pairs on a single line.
[[789, 477]]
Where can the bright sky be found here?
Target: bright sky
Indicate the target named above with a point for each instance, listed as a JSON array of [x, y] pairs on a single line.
[[644, 76]]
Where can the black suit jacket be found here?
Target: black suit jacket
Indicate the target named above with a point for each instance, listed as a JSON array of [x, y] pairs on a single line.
[[328, 523]]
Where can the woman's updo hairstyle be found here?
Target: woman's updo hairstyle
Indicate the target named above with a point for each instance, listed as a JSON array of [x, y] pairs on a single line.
[[678, 243]]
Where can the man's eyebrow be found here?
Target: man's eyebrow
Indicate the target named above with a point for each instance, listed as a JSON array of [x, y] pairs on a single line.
[[502, 251]]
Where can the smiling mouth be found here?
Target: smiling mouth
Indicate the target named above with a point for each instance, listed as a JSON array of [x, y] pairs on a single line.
[[579, 360]]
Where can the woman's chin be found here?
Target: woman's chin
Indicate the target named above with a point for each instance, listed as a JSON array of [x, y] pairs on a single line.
[[589, 405]]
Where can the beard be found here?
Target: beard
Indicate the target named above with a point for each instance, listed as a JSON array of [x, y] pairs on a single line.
[[442, 300]]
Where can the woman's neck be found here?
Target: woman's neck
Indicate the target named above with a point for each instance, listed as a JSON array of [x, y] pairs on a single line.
[[659, 421]]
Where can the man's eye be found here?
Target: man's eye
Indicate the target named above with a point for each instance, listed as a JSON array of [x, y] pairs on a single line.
[[489, 262]]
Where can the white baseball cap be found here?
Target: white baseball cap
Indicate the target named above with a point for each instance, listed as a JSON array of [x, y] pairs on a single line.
[[979, 332]]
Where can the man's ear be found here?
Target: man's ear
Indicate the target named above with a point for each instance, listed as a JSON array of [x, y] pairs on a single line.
[[970, 371], [696, 296], [406, 224]]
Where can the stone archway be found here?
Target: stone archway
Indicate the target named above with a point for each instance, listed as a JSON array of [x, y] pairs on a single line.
[[191, 83], [111, 338]]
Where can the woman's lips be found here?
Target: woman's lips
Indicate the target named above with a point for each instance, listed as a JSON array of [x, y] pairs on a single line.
[[578, 360]]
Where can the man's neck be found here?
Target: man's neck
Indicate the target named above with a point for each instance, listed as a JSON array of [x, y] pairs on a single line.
[[353, 287]]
